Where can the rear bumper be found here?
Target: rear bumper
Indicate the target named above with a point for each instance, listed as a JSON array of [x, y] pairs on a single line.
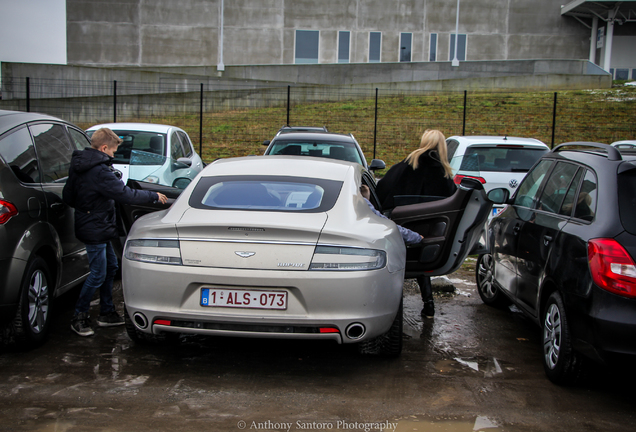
[[610, 327], [316, 299]]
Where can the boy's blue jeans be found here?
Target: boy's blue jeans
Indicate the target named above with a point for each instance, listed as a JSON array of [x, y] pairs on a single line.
[[103, 267]]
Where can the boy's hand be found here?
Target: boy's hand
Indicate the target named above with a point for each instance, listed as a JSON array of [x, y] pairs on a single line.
[[162, 198], [364, 189]]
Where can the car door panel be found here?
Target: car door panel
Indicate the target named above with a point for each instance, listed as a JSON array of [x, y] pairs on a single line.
[[451, 228]]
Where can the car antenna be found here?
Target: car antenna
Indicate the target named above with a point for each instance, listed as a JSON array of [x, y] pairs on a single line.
[[506, 137]]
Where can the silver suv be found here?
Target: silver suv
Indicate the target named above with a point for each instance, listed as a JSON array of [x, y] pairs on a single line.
[[40, 257]]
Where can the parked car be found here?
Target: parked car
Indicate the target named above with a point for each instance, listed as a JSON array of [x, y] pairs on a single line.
[[496, 161], [40, 257], [286, 247], [625, 145], [154, 153], [563, 252], [318, 142]]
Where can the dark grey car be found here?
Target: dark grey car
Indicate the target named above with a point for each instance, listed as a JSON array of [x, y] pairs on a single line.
[[40, 257]]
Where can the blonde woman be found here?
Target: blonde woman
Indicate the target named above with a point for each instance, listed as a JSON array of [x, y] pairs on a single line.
[[425, 171]]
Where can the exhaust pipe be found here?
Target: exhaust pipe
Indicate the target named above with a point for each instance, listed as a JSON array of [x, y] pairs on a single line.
[[140, 320], [355, 331]]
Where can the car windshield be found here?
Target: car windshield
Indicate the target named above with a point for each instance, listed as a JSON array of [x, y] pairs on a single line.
[[141, 141], [332, 149], [270, 193], [498, 159]]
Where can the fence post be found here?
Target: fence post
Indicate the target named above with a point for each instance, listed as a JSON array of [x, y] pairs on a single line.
[[554, 119], [464, 121], [201, 123], [375, 125], [28, 95], [288, 93], [115, 101]]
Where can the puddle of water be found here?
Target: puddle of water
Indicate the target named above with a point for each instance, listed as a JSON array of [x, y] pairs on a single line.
[[415, 424]]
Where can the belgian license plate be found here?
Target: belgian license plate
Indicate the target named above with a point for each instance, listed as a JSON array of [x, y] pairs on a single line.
[[253, 299], [496, 210]]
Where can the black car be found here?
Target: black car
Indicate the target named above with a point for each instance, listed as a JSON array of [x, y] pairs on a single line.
[[40, 257], [318, 142], [563, 252]]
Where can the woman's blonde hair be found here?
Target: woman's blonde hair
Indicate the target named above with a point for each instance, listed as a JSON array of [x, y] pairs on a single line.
[[432, 139]]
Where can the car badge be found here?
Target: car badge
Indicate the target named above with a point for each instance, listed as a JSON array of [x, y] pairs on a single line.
[[513, 183], [245, 254]]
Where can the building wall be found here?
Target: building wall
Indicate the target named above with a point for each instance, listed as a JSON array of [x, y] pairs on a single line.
[[186, 32]]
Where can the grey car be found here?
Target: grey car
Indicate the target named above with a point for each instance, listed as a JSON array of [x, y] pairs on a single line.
[[40, 257]]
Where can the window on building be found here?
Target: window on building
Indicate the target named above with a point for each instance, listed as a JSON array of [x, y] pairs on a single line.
[[622, 74], [344, 43], [405, 46], [432, 50], [461, 47], [375, 45], [307, 46]]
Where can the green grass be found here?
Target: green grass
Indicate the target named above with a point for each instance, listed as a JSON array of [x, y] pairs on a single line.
[[582, 115]]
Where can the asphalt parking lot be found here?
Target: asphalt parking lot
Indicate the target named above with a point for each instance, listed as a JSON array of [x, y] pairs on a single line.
[[470, 368]]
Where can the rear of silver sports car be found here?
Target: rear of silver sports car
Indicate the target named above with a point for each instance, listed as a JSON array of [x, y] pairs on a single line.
[[335, 274]]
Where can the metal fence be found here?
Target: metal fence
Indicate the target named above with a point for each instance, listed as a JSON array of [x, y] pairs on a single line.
[[232, 118]]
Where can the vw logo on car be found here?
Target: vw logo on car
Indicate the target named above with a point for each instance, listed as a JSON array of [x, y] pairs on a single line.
[[513, 183]]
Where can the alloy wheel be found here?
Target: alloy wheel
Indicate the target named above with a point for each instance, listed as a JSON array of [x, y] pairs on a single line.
[[484, 277], [552, 336], [38, 301]]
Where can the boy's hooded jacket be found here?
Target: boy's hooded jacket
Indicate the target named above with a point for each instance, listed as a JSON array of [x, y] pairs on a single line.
[[92, 189]]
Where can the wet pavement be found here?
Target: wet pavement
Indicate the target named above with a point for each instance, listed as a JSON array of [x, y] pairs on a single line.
[[471, 368]]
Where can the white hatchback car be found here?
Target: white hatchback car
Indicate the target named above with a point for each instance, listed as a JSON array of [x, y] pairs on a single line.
[[154, 153], [496, 161]]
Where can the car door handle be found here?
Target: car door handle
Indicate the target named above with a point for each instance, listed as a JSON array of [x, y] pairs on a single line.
[[547, 239], [516, 229], [57, 206]]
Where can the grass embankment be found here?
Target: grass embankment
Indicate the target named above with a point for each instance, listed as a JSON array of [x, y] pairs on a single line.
[[581, 115]]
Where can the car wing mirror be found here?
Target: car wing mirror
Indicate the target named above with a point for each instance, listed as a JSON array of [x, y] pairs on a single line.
[[499, 195], [266, 142], [377, 164], [184, 161]]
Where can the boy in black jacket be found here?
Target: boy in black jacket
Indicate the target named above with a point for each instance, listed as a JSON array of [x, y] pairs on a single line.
[[92, 189]]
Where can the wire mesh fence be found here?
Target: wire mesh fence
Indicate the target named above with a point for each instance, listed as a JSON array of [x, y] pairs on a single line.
[[226, 119]]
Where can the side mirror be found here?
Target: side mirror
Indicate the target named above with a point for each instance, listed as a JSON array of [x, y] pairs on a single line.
[[181, 183], [377, 164], [183, 162], [266, 142], [499, 195]]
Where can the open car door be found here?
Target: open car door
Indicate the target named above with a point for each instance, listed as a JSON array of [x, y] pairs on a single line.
[[452, 228]]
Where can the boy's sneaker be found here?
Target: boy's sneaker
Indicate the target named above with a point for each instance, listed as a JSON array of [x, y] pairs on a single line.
[[110, 319], [81, 324]]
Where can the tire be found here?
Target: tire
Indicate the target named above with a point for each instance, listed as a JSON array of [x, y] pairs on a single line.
[[32, 321], [561, 363], [388, 344], [486, 288]]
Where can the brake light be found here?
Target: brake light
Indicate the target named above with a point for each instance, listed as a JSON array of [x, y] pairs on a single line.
[[163, 322], [612, 268], [458, 178], [7, 211], [329, 330]]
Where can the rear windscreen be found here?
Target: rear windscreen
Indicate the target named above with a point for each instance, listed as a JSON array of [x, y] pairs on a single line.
[[627, 200], [265, 193], [500, 159], [332, 149]]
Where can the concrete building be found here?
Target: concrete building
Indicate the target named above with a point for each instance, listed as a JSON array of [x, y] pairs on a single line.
[[159, 33]]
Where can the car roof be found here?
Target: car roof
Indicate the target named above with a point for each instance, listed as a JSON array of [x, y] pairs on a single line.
[[11, 119], [330, 169], [498, 140], [147, 127], [592, 154], [312, 136]]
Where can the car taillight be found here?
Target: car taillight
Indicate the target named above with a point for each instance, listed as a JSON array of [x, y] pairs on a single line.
[[612, 268], [458, 178], [7, 211]]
